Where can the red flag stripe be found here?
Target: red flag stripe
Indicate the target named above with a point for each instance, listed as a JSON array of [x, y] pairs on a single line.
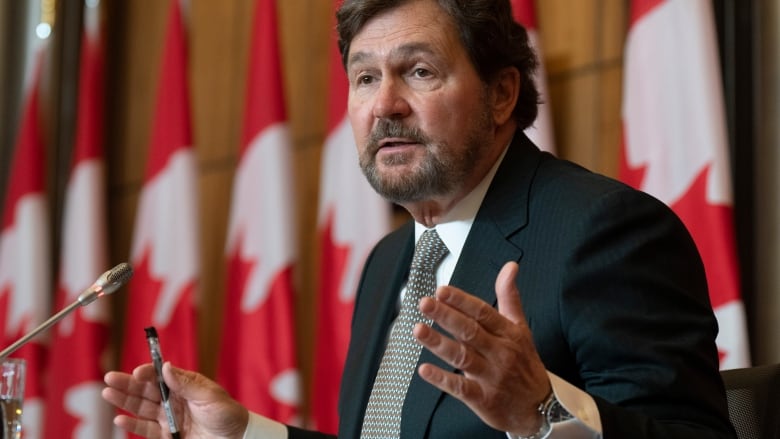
[[165, 250], [171, 128], [258, 363], [25, 250], [265, 92], [524, 13]]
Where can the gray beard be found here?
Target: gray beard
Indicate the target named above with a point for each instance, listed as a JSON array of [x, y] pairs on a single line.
[[441, 172]]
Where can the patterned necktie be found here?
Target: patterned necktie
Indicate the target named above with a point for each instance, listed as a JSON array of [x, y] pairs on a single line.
[[383, 413]]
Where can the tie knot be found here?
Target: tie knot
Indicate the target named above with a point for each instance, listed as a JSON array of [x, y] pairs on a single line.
[[429, 251]]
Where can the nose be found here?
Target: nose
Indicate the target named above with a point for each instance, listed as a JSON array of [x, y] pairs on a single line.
[[390, 101]]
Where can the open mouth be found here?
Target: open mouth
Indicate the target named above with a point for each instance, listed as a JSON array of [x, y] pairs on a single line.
[[389, 143]]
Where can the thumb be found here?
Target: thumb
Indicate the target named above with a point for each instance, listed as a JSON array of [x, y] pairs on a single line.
[[211, 409], [185, 383], [508, 295]]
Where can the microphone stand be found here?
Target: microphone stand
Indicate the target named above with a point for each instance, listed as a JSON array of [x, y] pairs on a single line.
[[42, 327], [109, 282]]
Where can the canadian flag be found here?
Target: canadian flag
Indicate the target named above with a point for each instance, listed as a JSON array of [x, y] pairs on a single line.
[[79, 345], [25, 267], [351, 219], [165, 250], [541, 132], [258, 363], [675, 144]]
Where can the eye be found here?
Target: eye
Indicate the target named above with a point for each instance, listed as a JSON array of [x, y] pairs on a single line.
[[420, 72], [364, 79]]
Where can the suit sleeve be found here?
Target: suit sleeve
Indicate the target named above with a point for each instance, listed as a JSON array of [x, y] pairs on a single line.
[[297, 433], [636, 315]]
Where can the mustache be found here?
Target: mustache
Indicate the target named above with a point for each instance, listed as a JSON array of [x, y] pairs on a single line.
[[392, 128]]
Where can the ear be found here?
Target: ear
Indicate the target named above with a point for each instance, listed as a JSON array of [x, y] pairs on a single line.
[[504, 91]]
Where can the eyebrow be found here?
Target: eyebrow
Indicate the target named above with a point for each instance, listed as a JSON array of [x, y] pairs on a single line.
[[404, 51]]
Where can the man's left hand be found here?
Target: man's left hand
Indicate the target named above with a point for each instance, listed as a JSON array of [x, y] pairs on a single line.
[[503, 379]]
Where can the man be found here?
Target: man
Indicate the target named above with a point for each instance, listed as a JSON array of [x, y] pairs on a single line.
[[608, 327]]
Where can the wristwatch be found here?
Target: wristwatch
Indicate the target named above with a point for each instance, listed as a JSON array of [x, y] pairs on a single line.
[[551, 411]]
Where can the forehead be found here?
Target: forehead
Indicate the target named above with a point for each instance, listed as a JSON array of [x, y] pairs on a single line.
[[416, 24]]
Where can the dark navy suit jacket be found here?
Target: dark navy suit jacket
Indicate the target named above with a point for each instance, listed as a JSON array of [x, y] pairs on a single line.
[[611, 284]]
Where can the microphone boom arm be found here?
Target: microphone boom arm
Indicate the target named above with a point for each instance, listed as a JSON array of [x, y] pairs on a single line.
[[107, 283], [42, 327]]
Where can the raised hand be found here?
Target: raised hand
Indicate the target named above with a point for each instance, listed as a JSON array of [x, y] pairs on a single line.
[[503, 380]]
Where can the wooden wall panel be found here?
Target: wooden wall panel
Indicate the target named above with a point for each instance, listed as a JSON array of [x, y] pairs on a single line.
[[567, 32], [219, 44], [574, 106], [134, 60], [306, 31], [612, 29], [582, 45], [609, 128]]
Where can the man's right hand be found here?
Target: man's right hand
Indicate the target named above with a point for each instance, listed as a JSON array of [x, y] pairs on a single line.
[[202, 408]]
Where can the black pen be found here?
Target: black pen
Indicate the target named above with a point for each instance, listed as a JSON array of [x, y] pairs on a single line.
[[154, 349]]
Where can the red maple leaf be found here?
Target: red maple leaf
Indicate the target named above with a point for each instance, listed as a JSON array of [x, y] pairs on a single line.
[[238, 272], [258, 344], [177, 336]]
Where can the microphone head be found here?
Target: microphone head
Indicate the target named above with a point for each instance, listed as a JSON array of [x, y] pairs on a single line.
[[115, 278]]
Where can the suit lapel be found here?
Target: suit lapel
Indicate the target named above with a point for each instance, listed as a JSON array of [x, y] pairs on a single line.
[[490, 244]]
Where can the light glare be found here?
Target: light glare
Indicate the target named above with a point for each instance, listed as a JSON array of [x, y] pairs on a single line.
[[43, 30]]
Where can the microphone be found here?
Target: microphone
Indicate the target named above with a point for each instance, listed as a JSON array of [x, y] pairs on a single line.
[[107, 283]]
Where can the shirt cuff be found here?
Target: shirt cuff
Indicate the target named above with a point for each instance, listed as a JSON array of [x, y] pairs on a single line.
[[578, 403], [586, 422], [261, 427]]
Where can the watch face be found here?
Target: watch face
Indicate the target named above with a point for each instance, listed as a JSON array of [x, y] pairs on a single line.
[[555, 411]]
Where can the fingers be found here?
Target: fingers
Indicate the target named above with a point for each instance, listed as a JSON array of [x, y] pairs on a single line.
[[481, 337], [133, 386], [146, 412], [499, 322], [500, 375], [142, 427], [145, 372], [471, 321], [459, 355], [454, 384], [137, 394], [477, 329], [217, 412], [191, 385]]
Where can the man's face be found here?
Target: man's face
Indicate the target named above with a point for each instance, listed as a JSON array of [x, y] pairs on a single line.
[[418, 108]]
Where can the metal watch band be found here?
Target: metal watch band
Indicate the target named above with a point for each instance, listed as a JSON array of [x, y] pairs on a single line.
[[544, 409]]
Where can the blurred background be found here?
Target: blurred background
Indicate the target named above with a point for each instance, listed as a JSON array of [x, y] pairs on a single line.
[[582, 45]]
